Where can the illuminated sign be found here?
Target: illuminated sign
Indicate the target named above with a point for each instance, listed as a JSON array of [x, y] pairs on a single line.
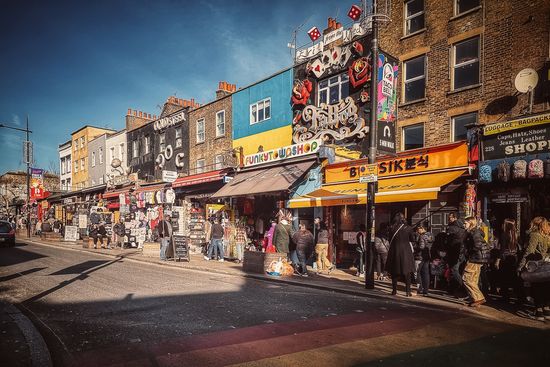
[[291, 151]]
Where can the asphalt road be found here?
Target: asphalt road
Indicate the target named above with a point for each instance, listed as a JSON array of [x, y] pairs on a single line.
[[95, 310]]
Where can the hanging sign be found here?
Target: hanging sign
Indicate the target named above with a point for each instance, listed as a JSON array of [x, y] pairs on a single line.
[[532, 140], [279, 154], [37, 184]]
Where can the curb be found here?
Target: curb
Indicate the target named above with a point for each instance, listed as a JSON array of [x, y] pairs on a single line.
[[40, 355]]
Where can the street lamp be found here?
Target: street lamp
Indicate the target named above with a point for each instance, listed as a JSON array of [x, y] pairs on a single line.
[[27, 157]]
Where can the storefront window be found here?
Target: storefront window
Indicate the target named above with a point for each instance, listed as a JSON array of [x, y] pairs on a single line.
[[413, 137]]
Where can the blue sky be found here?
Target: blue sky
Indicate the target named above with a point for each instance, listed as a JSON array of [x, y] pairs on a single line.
[[70, 63]]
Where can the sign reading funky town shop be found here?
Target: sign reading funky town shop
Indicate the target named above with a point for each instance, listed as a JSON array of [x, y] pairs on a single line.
[[279, 154], [446, 157], [521, 137]]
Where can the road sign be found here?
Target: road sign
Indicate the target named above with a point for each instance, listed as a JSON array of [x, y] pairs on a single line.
[[368, 178]]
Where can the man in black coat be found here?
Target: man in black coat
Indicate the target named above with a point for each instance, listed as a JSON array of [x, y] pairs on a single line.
[[456, 257]]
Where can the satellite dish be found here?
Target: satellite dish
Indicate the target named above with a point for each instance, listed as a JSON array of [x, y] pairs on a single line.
[[526, 80]]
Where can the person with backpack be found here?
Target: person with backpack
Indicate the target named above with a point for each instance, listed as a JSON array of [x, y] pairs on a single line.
[[400, 261], [422, 255], [478, 255]]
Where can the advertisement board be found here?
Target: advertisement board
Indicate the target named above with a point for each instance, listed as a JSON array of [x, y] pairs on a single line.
[[534, 139], [388, 72]]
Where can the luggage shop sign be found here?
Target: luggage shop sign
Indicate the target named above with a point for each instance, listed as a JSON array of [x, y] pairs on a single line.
[[531, 140]]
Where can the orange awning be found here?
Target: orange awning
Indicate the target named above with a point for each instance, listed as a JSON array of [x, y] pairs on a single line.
[[390, 190]]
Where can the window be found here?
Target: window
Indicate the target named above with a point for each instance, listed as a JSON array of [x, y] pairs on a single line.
[[82, 164], [82, 143], [415, 79], [111, 154], [220, 123], [121, 151], [200, 131], [179, 141], [462, 6], [68, 184], [413, 137], [146, 142], [333, 89], [135, 149], [200, 166], [162, 142], [414, 16], [62, 165], [68, 165], [459, 124], [100, 155], [75, 145], [75, 166], [218, 161], [260, 111], [93, 159], [465, 63], [101, 180], [93, 182]]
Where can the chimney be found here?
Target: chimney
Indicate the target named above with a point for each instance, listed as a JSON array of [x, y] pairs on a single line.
[[136, 119], [225, 89]]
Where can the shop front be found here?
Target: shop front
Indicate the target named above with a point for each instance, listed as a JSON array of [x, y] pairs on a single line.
[[514, 173], [424, 184]]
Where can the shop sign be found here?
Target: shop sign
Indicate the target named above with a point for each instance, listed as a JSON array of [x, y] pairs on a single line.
[[169, 176], [508, 198], [339, 121], [68, 201], [120, 180], [279, 154], [521, 142], [501, 127], [431, 160], [165, 122]]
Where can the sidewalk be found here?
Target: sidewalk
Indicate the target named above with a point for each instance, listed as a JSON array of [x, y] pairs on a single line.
[[338, 281]]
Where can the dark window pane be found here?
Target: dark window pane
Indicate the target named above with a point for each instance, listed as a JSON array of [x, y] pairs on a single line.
[[459, 125], [344, 90], [467, 50], [415, 90], [414, 68], [414, 6], [267, 111], [466, 75], [323, 96], [334, 94], [413, 137], [465, 5], [260, 114], [415, 24], [323, 84], [5, 228]]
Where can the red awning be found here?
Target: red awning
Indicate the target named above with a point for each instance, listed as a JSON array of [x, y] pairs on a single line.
[[113, 205], [115, 193], [199, 178], [158, 187]]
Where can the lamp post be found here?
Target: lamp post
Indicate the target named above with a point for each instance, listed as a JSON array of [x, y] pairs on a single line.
[[28, 162]]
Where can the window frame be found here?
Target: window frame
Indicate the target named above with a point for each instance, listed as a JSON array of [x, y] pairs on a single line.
[[101, 182], [405, 81], [69, 165], [257, 104], [82, 164], [455, 66], [329, 85], [410, 17], [200, 122], [81, 142], [179, 137], [202, 166], [75, 145], [76, 166], [93, 159], [135, 148], [121, 151], [453, 123], [218, 164], [456, 10], [218, 124], [100, 154], [112, 153], [403, 128], [146, 143]]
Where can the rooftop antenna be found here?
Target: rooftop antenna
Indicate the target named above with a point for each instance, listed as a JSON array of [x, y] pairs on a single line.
[[292, 44]]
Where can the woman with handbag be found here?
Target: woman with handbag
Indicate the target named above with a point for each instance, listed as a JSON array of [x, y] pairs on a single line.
[[538, 250], [400, 262]]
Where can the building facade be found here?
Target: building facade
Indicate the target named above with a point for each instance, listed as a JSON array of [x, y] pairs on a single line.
[[115, 148], [65, 166], [210, 144], [139, 131], [97, 161], [80, 140]]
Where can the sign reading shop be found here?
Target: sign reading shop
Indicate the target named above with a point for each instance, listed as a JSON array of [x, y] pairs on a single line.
[[515, 138]]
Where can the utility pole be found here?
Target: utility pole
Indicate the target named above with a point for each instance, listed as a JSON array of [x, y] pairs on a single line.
[[29, 155], [371, 186]]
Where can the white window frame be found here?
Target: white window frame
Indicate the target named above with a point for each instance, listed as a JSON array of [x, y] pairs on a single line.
[[93, 182], [338, 83], [100, 155], [62, 165], [218, 162], [121, 151], [453, 126], [75, 145], [408, 127], [93, 159], [455, 8], [81, 142], [162, 142], [254, 119], [201, 166], [147, 142], [220, 124], [423, 76], [69, 164], [76, 166], [101, 182], [135, 148], [82, 164], [454, 65], [201, 133], [406, 18], [112, 153], [179, 139]]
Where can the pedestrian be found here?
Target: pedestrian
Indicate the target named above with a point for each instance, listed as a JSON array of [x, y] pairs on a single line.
[[241, 240], [94, 233], [538, 249], [102, 234], [400, 262], [506, 263], [321, 249], [454, 249], [361, 239], [304, 242], [479, 253], [268, 236], [119, 231], [283, 232], [381, 247], [422, 258], [207, 232], [216, 242], [165, 234], [38, 228]]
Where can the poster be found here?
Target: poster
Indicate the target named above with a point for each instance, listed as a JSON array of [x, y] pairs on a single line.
[[82, 221], [388, 72], [71, 233], [37, 184]]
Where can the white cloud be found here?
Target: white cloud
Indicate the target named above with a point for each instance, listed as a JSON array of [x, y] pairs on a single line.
[[15, 120]]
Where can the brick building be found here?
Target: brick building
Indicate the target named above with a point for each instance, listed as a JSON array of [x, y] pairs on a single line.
[[210, 127], [458, 63], [13, 190]]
